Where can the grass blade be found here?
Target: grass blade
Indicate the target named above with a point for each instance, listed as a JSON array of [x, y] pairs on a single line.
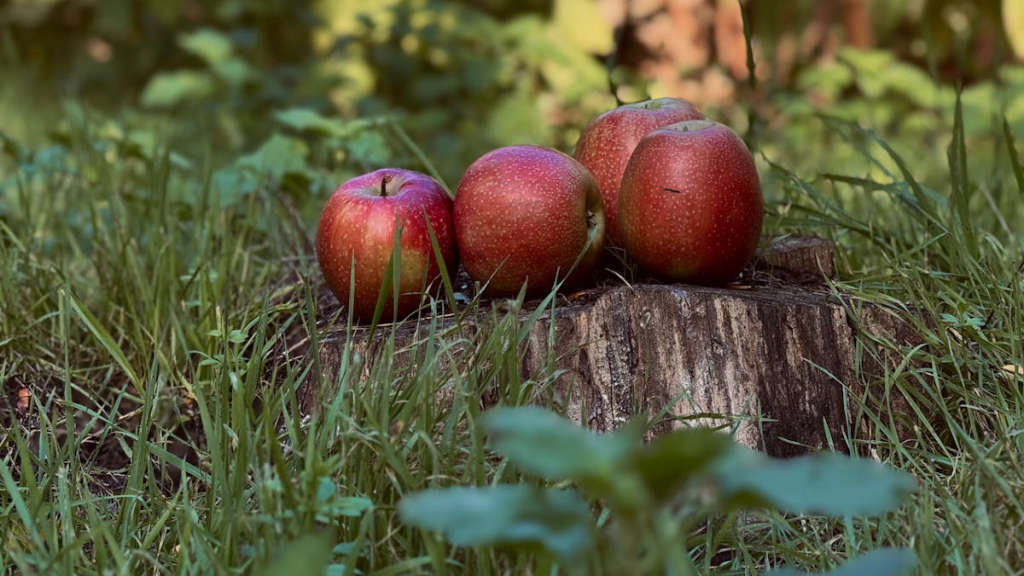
[[14, 493], [957, 154], [106, 340], [422, 157], [1011, 149]]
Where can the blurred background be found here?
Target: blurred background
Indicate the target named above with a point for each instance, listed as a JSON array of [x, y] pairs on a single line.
[[290, 79]]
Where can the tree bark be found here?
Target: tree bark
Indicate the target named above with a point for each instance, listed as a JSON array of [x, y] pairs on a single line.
[[857, 23], [775, 358]]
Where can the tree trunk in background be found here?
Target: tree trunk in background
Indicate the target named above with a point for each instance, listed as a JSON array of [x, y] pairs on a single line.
[[730, 43], [695, 49], [857, 22]]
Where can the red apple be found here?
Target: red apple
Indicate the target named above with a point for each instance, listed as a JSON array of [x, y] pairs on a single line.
[[690, 204], [358, 226], [524, 214], [608, 141]]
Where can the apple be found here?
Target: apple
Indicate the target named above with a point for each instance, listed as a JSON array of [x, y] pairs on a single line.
[[357, 230], [608, 141], [690, 204], [524, 214]]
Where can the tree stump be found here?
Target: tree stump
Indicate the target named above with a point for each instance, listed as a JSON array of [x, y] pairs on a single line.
[[774, 357]]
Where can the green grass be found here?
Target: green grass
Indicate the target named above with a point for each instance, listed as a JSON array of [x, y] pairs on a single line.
[[155, 324]]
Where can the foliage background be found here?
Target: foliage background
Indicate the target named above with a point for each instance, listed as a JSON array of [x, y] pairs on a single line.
[[467, 76], [307, 93]]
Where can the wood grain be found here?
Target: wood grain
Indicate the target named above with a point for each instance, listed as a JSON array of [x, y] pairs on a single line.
[[775, 358]]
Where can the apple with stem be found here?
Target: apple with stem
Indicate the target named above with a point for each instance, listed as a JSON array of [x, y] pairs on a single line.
[[690, 206], [356, 238], [527, 215], [608, 141]]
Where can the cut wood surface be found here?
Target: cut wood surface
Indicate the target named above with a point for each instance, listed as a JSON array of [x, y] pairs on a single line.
[[774, 356]]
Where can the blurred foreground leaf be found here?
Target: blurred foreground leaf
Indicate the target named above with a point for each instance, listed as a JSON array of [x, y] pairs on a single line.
[[881, 562], [517, 515], [543, 443], [827, 483], [670, 461]]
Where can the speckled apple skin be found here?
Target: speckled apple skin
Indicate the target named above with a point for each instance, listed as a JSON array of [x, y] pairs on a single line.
[[521, 215], [358, 226], [690, 206], [608, 141]]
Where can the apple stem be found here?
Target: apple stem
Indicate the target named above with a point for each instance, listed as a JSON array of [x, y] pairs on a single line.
[[384, 186]]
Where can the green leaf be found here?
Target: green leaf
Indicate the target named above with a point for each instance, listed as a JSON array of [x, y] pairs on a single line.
[[672, 460], [829, 484], [278, 155], [558, 521], [869, 68], [306, 120], [208, 44], [830, 78], [353, 506], [234, 71], [370, 148], [329, 506], [881, 562], [545, 444], [348, 507], [169, 89], [914, 84], [308, 555], [232, 184], [325, 490]]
